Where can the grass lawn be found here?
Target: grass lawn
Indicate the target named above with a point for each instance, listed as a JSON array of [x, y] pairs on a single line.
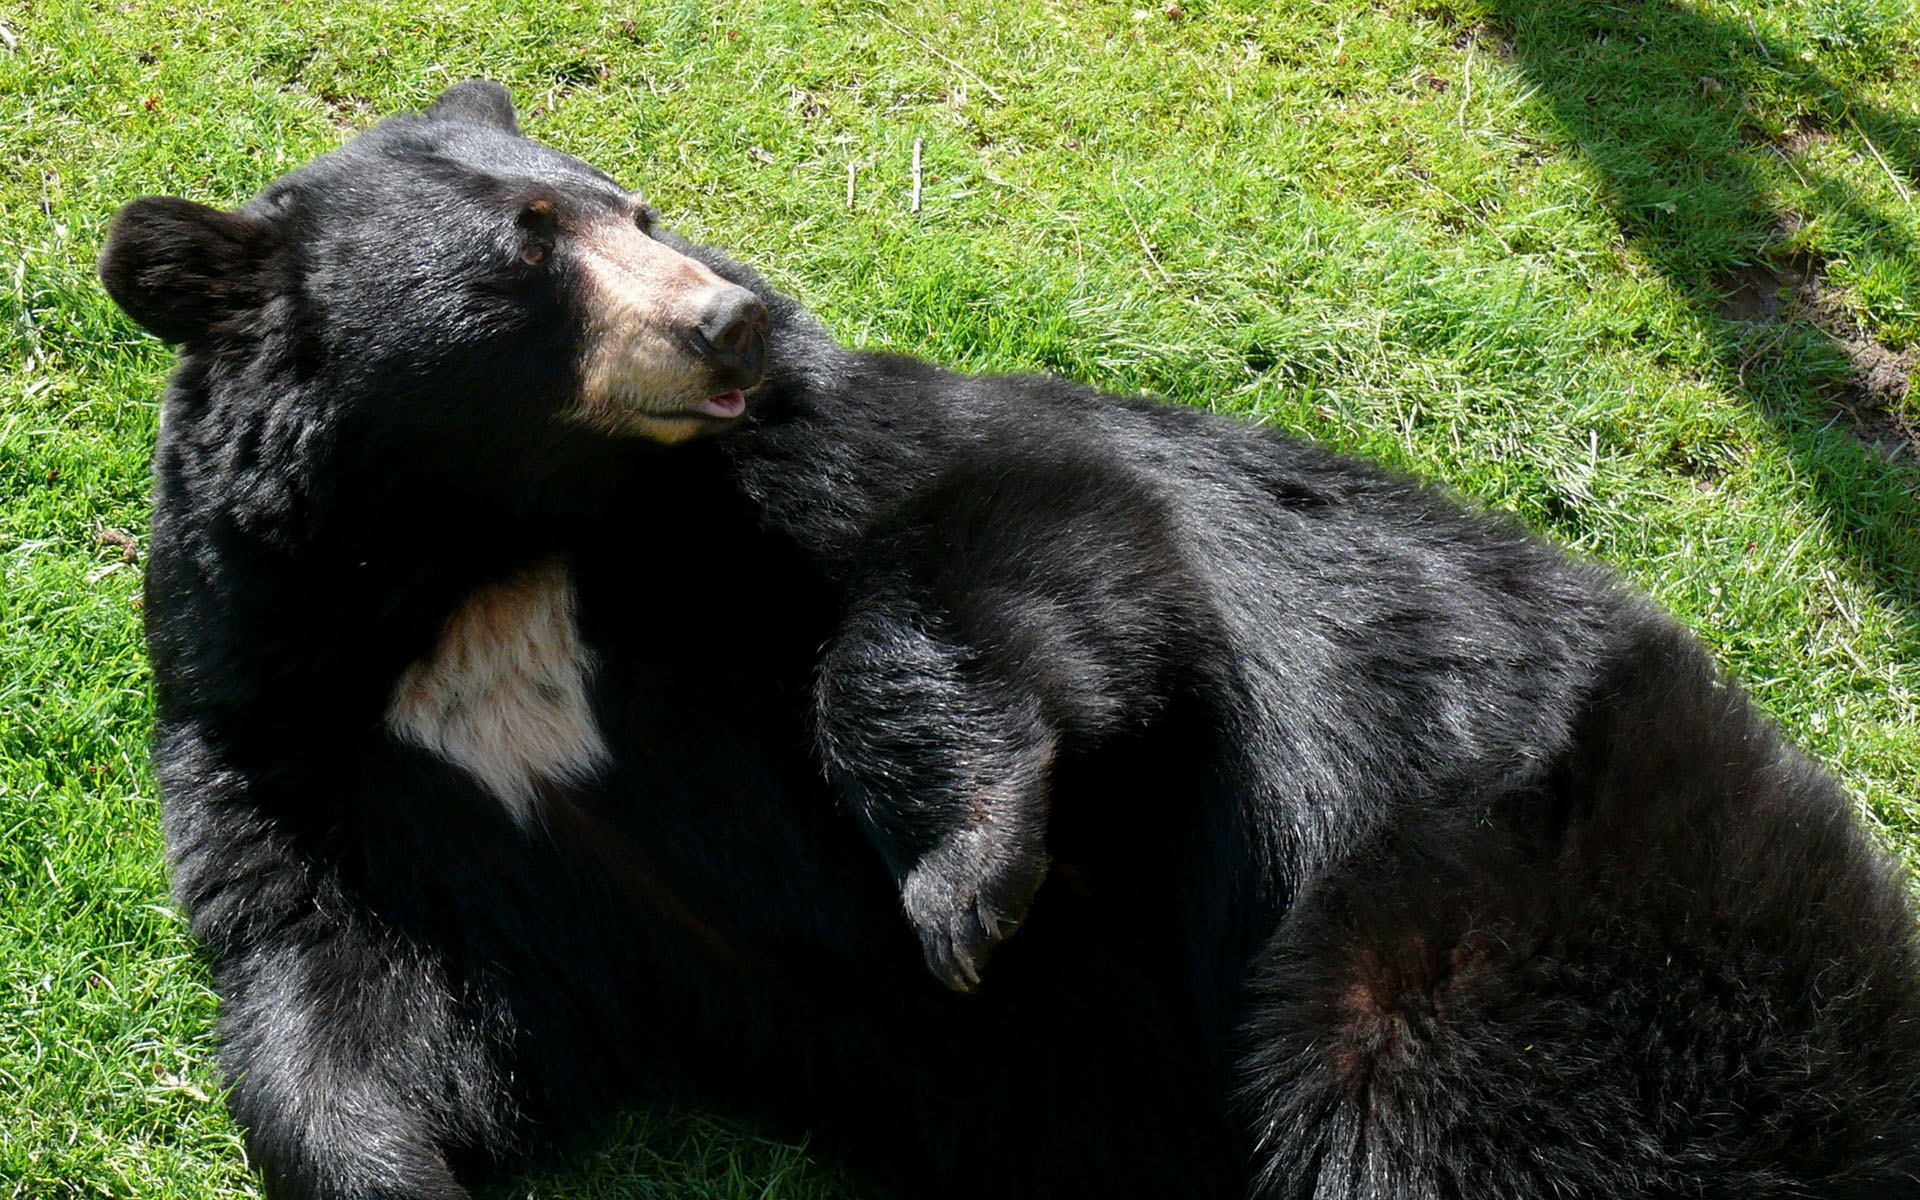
[[1645, 273]]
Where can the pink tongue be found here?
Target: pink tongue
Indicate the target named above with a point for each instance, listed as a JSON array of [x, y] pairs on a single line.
[[726, 404]]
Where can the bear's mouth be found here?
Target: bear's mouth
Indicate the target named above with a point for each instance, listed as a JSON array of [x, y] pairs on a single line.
[[723, 406]]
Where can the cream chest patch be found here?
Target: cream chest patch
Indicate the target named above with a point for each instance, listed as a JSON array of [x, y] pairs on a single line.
[[503, 693]]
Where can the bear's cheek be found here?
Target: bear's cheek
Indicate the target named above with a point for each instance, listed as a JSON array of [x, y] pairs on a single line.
[[635, 379]]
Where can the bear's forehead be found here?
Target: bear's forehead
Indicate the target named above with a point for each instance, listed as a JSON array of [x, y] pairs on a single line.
[[405, 160]]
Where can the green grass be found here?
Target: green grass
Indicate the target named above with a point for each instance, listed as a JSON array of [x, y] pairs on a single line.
[[1481, 239]]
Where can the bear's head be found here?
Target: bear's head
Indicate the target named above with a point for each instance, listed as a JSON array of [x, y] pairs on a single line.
[[442, 273]]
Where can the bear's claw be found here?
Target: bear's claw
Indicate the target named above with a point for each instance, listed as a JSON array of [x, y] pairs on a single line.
[[966, 896]]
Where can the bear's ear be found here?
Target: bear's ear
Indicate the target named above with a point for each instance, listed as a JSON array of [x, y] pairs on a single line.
[[479, 100], [180, 268]]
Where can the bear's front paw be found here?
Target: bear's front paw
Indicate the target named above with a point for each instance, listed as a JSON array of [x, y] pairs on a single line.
[[967, 895]]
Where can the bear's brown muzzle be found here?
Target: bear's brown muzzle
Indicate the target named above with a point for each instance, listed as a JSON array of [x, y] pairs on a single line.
[[668, 342]]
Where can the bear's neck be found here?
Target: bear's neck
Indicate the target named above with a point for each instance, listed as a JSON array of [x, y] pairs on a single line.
[[299, 580]]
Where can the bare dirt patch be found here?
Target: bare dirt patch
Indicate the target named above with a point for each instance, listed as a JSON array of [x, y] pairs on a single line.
[[1804, 133], [1869, 402], [1761, 293]]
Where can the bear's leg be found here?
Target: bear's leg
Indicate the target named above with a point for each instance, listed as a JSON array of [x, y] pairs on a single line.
[[356, 1068], [1677, 968], [944, 761], [353, 1077], [1009, 613]]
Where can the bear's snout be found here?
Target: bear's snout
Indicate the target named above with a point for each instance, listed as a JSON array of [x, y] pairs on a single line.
[[669, 346]]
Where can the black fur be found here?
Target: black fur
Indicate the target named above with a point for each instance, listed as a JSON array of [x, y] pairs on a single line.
[[1366, 847]]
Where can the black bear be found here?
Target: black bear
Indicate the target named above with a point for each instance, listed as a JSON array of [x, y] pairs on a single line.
[[526, 753]]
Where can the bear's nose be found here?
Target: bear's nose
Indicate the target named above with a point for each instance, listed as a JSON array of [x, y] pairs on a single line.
[[732, 332]]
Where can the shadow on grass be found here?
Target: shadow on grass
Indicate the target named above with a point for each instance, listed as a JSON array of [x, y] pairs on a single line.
[[1657, 96], [679, 1152]]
